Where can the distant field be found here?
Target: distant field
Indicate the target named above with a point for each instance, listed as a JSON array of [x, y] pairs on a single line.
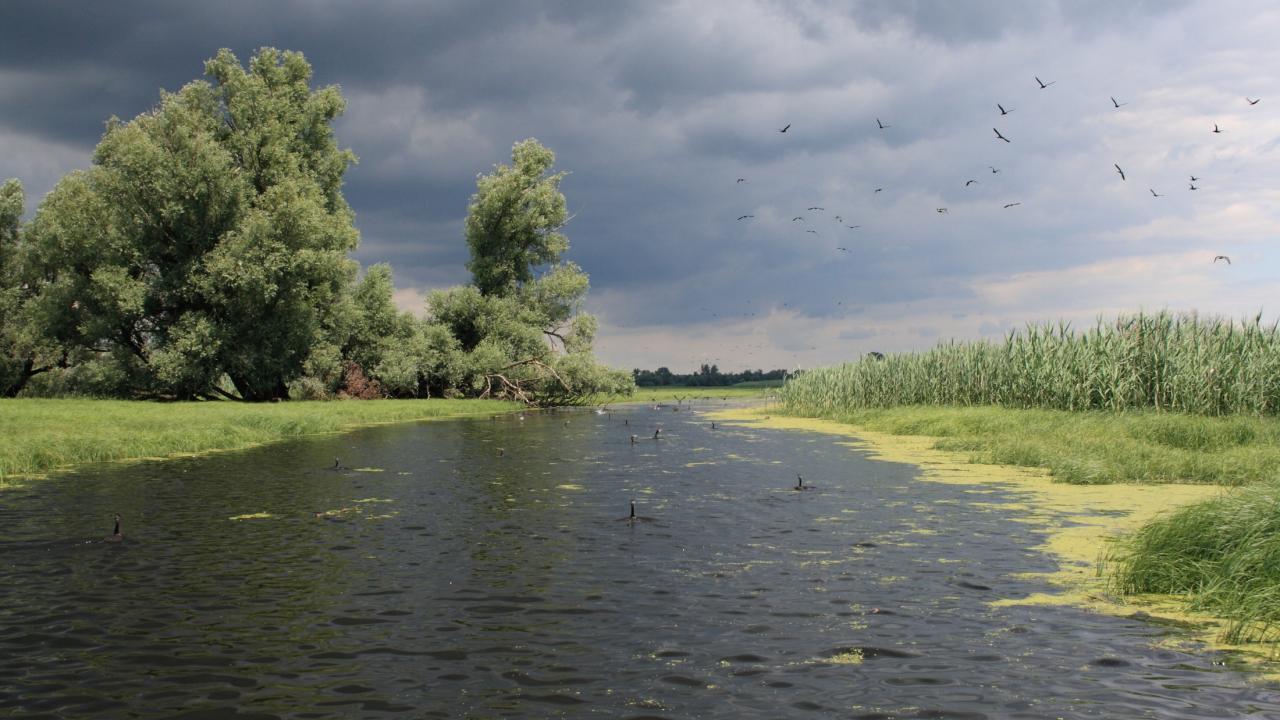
[[670, 393], [39, 435]]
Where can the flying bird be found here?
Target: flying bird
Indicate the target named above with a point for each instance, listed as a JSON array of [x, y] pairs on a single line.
[[942, 211], [1154, 193], [1117, 104], [1192, 186], [844, 249], [878, 190], [1215, 128], [837, 218], [1119, 171], [815, 207], [1044, 84], [1251, 102], [967, 183], [744, 217], [994, 169], [1002, 110], [1194, 178], [798, 217], [882, 125], [1216, 258], [999, 136], [853, 227], [815, 232], [788, 127], [741, 180], [1012, 204]]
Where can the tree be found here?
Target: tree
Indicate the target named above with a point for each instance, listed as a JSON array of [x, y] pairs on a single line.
[[209, 239], [519, 327]]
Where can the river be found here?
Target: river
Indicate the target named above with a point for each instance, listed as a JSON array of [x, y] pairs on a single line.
[[488, 568]]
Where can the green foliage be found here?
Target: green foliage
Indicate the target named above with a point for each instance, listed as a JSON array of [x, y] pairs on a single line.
[[1163, 362], [1223, 555], [210, 238]]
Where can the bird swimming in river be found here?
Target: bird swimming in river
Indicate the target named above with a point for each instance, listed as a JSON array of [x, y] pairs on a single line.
[[1044, 84], [800, 483], [1119, 171], [338, 466], [115, 536], [633, 518], [633, 439], [1216, 258], [999, 136]]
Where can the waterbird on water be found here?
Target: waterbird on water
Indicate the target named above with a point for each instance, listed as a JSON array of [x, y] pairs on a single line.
[[116, 536], [656, 433], [633, 439], [800, 483]]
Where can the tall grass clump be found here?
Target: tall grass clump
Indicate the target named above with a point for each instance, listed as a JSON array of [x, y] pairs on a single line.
[[1165, 362], [1222, 555]]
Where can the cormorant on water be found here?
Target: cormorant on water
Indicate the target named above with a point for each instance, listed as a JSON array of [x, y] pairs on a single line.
[[116, 535]]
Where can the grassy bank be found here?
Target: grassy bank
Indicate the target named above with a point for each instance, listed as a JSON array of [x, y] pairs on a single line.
[[1222, 556], [1092, 447], [37, 436]]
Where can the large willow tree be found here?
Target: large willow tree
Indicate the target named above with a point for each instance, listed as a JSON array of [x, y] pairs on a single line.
[[210, 238], [519, 331]]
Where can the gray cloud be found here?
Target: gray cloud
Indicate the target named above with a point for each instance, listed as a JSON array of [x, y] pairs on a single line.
[[657, 108]]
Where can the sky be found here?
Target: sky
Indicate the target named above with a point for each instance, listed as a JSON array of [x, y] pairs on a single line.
[[656, 110]]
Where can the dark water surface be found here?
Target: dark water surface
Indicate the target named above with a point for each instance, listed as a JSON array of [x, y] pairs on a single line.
[[484, 572]]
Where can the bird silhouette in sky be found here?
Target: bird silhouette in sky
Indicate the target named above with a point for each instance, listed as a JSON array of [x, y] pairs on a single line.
[[1002, 110], [1194, 178], [999, 136], [1215, 128], [994, 169], [844, 249], [1154, 193], [853, 227], [1012, 204], [815, 232], [744, 217], [788, 127], [967, 183], [1252, 102], [882, 125], [1192, 186], [741, 180], [1216, 258], [837, 218], [1117, 104], [878, 190], [1044, 84], [798, 217], [1119, 171], [815, 207], [942, 211]]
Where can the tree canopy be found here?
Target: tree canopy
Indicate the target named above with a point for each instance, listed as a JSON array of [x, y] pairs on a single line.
[[205, 253]]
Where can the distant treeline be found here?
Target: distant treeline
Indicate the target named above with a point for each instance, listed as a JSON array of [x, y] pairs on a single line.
[[706, 376]]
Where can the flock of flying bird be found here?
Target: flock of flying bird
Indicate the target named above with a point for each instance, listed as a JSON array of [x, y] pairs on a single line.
[[1116, 105]]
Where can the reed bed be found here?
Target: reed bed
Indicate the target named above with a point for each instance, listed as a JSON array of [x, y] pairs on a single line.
[[1162, 361], [39, 435]]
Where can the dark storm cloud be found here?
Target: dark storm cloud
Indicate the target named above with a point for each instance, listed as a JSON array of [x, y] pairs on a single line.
[[657, 108]]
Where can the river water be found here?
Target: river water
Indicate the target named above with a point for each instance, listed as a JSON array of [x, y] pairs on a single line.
[[486, 568]]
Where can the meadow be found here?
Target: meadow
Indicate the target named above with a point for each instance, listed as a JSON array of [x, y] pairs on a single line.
[[1149, 398], [41, 435]]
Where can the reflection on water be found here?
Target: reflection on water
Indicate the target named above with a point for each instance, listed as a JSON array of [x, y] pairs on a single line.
[[488, 568]]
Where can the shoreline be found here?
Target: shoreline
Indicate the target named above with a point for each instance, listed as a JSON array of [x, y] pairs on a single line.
[[1079, 522]]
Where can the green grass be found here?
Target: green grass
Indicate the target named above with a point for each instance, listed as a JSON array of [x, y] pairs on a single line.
[[37, 435], [1180, 363], [1093, 447], [669, 394], [1223, 556]]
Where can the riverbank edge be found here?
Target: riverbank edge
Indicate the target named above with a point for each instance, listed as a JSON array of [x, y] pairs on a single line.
[[73, 434], [1079, 523]]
